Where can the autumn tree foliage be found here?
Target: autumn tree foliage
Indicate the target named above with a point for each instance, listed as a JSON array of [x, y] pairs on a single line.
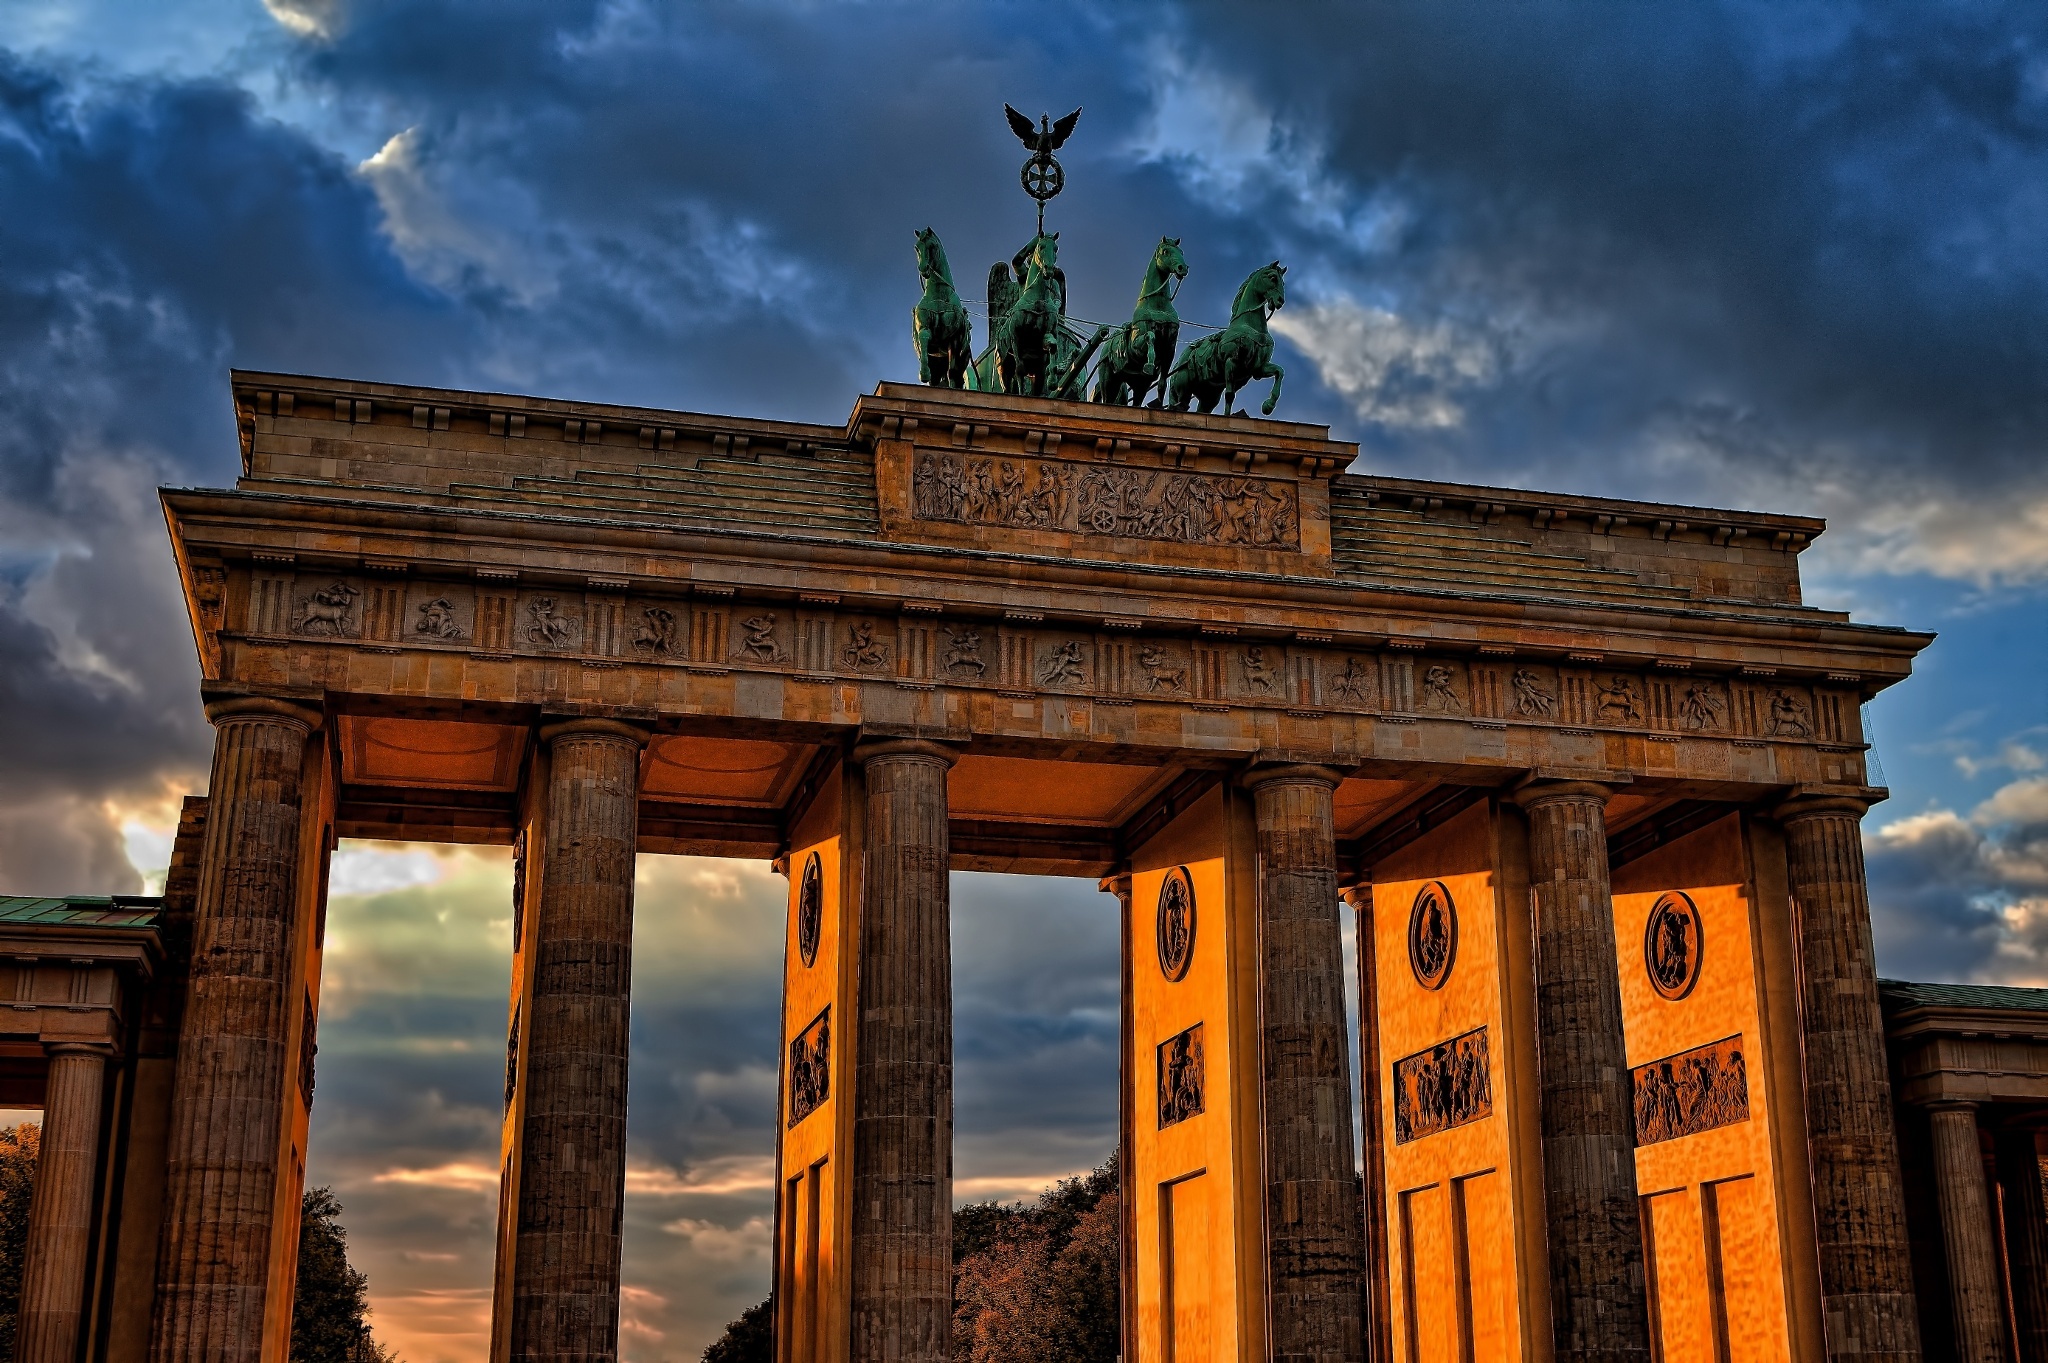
[[19, 1148], [1032, 1283], [1040, 1283]]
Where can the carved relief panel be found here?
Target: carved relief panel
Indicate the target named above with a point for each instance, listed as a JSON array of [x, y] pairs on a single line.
[[1443, 1087], [1108, 500], [810, 1068]]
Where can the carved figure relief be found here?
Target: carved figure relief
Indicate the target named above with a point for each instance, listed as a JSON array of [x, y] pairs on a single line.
[[437, 620], [1350, 684], [1161, 672], [759, 643], [1446, 1086], [656, 632], [810, 910], [1257, 675], [1700, 707], [1695, 1091], [1673, 945], [810, 1068], [861, 651], [1180, 1077], [518, 887], [964, 653], [1063, 666], [1439, 692], [1789, 716], [549, 627], [1432, 935], [1036, 494], [512, 1055], [331, 610], [1619, 703], [1175, 927], [1530, 696]]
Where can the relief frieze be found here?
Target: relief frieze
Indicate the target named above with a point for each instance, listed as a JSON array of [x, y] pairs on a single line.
[[1181, 1080], [1019, 657], [1694, 1091], [1446, 1086], [810, 1068], [1125, 503]]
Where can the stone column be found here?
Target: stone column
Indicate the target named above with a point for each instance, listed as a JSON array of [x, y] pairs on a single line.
[[1126, 1176], [1313, 1231], [572, 1184], [1866, 1278], [2025, 1181], [1378, 1279], [903, 1068], [231, 1087], [1966, 1234], [60, 1217], [1599, 1310]]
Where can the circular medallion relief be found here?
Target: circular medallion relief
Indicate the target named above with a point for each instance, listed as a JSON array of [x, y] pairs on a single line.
[[810, 909], [1672, 945], [1176, 923], [1432, 935]]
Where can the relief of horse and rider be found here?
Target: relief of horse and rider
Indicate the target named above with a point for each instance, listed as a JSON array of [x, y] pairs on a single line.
[[1034, 350]]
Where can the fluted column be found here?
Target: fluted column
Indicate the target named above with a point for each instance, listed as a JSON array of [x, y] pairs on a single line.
[[1975, 1301], [1866, 1279], [903, 1070], [572, 1184], [2025, 1180], [1313, 1231], [228, 1104], [1599, 1311], [60, 1217], [1378, 1280], [1126, 1178]]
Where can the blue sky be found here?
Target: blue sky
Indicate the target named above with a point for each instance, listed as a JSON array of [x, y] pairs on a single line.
[[1783, 256]]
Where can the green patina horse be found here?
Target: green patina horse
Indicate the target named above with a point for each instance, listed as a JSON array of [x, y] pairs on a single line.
[[1218, 366], [1140, 352], [938, 324], [1032, 350]]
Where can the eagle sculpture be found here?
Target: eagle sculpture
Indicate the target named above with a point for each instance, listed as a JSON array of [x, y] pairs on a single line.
[[1045, 139]]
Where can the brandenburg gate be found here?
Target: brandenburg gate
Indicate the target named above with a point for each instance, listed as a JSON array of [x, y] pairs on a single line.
[[1586, 774]]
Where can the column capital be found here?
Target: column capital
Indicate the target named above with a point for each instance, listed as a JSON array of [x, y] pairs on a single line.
[[636, 734], [1292, 773], [1357, 896], [1536, 790], [1118, 884], [100, 1050], [1815, 804], [263, 707], [1951, 1105], [904, 748]]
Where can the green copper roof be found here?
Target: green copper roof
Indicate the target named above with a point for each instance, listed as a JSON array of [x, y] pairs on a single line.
[[2010, 998], [81, 911]]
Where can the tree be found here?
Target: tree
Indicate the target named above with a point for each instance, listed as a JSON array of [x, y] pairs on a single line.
[[750, 1339], [331, 1310], [1040, 1284], [20, 1146]]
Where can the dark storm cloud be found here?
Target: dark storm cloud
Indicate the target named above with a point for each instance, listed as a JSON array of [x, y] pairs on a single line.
[[1965, 897], [154, 233], [1785, 224]]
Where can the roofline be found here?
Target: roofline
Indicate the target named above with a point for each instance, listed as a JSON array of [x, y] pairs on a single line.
[[1219, 431]]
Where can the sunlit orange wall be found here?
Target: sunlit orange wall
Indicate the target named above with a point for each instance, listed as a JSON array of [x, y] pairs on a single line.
[[1714, 1202], [1464, 1210], [1196, 1193], [813, 1215]]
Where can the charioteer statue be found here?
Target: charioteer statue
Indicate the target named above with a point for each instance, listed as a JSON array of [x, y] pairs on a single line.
[[1033, 349]]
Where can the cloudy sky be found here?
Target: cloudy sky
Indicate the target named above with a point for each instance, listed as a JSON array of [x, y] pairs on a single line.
[[1780, 255]]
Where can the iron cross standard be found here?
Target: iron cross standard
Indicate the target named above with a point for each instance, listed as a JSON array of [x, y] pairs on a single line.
[[1042, 175]]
